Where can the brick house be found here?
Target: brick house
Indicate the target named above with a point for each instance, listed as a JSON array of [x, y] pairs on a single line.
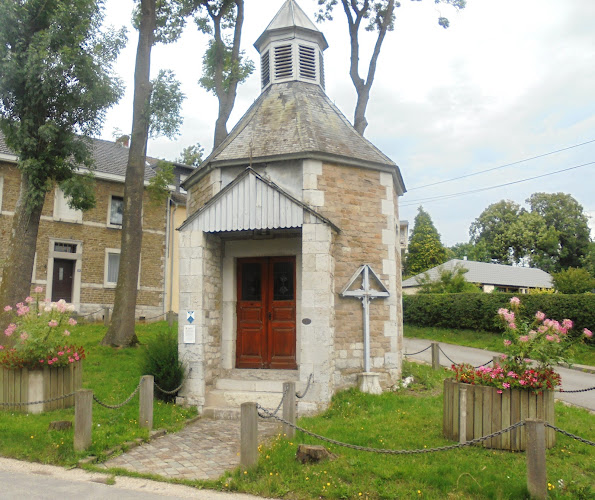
[[281, 216], [77, 255]]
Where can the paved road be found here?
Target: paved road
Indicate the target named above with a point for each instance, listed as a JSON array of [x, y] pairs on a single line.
[[44, 482], [571, 379]]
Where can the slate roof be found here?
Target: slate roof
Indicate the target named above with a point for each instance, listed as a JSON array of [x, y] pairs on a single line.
[[292, 17], [295, 120], [491, 274], [110, 158]]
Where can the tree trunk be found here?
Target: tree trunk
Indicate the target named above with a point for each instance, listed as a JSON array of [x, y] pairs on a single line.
[[226, 99], [121, 330], [18, 267]]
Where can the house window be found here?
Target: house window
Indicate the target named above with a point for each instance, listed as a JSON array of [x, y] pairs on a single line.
[[116, 209], [112, 266], [65, 247], [62, 210]]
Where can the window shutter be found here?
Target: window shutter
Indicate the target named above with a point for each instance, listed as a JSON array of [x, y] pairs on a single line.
[[307, 62], [321, 69], [265, 70], [283, 62]]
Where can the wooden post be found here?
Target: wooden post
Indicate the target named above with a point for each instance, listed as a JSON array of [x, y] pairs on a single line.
[[145, 407], [249, 435], [435, 356], [289, 408], [462, 415], [171, 317], [83, 419], [536, 473], [106, 316]]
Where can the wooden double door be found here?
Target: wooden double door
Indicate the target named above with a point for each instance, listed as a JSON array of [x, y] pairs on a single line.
[[266, 313]]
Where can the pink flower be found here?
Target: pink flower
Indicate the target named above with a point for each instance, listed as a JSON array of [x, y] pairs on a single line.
[[588, 333], [21, 311], [1, 347], [10, 329], [50, 362], [52, 323], [41, 361], [512, 326], [551, 338], [507, 342], [60, 353], [499, 391], [7, 308], [567, 323], [76, 356], [70, 360], [522, 382], [72, 321], [66, 333], [38, 289], [515, 301], [24, 336], [540, 316], [524, 338], [28, 300], [506, 385]]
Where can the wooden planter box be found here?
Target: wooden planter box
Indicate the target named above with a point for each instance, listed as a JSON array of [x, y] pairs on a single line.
[[488, 412], [24, 386]]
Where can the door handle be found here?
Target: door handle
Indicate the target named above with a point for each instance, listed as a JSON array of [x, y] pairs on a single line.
[[270, 316]]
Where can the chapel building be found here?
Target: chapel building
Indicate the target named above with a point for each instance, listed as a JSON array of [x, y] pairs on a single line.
[[282, 215]]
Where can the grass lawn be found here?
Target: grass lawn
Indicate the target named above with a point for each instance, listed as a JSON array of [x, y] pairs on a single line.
[[582, 354], [112, 374], [411, 419]]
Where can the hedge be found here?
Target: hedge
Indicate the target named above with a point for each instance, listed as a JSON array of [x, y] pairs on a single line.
[[478, 311]]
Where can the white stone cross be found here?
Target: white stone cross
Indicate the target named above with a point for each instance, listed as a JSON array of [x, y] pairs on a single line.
[[366, 294]]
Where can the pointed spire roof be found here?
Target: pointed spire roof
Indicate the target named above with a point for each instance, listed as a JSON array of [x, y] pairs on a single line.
[[291, 19]]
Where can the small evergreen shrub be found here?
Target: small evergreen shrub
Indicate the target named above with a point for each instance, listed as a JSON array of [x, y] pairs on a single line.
[[161, 360]]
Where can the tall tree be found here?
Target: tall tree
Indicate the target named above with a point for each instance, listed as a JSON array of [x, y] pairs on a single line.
[[56, 83], [568, 231], [192, 155], [224, 63], [425, 248], [380, 17], [506, 231], [158, 20]]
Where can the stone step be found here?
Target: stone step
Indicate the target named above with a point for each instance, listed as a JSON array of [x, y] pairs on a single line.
[[233, 399], [217, 413], [243, 385]]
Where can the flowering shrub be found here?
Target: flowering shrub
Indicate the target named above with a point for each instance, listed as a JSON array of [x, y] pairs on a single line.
[[38, 335], [531, 351]]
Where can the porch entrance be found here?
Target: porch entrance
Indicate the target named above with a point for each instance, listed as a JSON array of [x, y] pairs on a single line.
[[266, 313]]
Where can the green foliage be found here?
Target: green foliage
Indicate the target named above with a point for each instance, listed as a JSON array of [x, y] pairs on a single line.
[[588, 261], [552, 236], [574, 280], [56, 82], [170, 19], [425, 249], [80, 191], [158, 187], [166, 105], [191, 155], [568, 229], [233, 70], [160, 359], [469, 251], [450, 281], [476, 311]]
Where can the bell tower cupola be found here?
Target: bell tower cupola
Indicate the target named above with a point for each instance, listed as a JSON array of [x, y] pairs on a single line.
[[291, 49]]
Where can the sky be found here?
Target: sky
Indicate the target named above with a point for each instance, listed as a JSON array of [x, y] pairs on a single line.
[[509, 80]]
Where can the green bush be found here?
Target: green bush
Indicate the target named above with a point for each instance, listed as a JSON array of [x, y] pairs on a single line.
[[573, 280], [477, 311], [161, 360]]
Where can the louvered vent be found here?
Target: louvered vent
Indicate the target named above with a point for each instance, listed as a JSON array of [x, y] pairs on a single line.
[[307, 62], [283, 62], [265, 70], [321, 69]]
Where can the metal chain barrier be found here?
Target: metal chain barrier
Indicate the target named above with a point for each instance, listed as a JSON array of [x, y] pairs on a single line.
[[485, 364], [115, 407], [268, 414], [155, 317], [446, 355], [576, 390], [573, 436], [51, 400], [274, 413], [418, 352], [310, 379], [177, 388]]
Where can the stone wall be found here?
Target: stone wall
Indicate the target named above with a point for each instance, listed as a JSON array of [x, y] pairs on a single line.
[[94, 236], [362, 203], [203, 191]]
